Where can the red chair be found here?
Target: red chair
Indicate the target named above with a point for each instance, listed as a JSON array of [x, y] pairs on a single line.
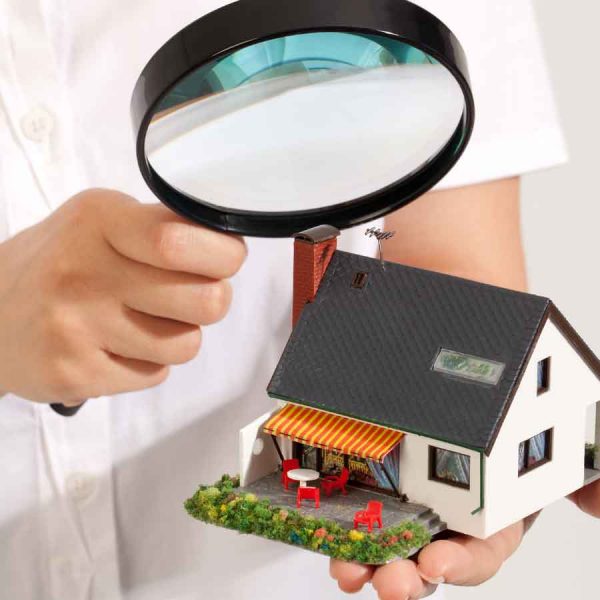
[[308, 493], [288, 465], [370, 516], [335, 482]]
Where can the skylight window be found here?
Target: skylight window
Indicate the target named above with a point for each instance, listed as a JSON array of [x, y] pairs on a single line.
[[468, 367]]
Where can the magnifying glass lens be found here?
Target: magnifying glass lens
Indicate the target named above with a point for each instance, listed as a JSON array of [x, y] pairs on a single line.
[[304, 122]]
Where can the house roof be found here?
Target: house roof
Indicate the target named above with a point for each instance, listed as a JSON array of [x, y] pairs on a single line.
[[368, 353]]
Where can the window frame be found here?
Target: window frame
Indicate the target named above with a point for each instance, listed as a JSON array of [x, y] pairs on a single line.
[[547, 454], [546, 365], [432, 469]]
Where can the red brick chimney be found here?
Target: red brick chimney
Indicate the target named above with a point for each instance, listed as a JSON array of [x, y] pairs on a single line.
[[313, 251]]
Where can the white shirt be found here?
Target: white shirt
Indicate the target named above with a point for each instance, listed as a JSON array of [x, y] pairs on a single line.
[[91, 507]]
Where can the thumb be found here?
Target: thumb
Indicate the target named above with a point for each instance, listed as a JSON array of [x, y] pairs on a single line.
[[588, 499]]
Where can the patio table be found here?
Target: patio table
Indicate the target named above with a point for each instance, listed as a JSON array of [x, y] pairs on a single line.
[[303, 475]]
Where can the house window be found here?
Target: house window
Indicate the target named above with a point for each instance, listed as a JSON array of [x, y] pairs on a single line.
[[449, 467], [535, 452], [360, 280], [469, 367], [543, 376]]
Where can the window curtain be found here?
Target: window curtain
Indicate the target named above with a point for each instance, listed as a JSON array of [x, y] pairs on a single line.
[[522, 458], [537, 448], [540, 374], [392, 465], [533, 450], [453, 466]]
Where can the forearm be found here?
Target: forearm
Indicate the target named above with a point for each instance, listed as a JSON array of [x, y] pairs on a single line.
[[472, 232]]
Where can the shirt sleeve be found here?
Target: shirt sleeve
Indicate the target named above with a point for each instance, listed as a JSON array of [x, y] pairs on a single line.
[[517, 128]]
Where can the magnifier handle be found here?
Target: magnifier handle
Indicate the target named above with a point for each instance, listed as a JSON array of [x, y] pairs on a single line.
[[66, 411]]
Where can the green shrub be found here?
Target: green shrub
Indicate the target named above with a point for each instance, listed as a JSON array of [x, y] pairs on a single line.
[[224, 505], [590, 455]]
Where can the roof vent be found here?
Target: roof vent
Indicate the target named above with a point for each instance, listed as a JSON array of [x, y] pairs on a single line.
[[360, 280]]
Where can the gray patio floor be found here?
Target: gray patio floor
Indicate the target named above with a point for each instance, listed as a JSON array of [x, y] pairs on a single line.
[[341, 508], [591, 475]]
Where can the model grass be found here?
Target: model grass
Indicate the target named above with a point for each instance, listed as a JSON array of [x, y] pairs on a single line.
[[225, 505]]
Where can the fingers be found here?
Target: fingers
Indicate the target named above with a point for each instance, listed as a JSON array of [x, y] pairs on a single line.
[[396, 581], [468, 561], [70, 403], [400, 580], [154, 235], [108, 375], [128, 375], [588, 499], [459, 561], [174, 295], [143, 337], [351, 577]]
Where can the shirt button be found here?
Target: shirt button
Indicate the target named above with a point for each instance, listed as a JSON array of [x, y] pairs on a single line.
[[37, 124], [80, 486]]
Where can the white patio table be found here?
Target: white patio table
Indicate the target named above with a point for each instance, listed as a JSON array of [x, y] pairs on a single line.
[[303, 475]]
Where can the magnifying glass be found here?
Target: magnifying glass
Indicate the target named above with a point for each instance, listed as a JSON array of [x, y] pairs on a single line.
[[268, 117]]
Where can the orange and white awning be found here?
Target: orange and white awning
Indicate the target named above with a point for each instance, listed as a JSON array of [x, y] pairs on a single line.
[[333, 432]]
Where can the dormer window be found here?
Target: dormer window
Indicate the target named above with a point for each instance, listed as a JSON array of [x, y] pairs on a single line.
[[543, 376], [360, 280]]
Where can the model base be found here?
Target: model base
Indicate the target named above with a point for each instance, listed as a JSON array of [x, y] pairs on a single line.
[[267, 510]]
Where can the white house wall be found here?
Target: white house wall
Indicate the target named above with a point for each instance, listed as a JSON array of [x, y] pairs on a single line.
[[258, 456], [453, 504], [573, 387]]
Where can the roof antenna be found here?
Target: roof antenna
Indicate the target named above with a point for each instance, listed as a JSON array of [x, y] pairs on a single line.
[[380, 236]]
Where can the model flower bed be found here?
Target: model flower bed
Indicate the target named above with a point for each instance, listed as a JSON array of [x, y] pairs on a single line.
[[224, 505]]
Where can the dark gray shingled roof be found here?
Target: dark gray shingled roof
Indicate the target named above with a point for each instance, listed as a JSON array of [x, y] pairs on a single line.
[[368, 353]]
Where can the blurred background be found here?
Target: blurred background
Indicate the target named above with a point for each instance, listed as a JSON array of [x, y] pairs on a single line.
[[561, 221]]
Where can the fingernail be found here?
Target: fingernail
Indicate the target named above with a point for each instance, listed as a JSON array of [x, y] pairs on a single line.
[[433, 580]]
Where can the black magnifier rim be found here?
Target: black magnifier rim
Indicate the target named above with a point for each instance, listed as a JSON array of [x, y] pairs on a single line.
[[248, 22]]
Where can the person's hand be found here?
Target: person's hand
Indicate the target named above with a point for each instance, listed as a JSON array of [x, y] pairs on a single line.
[[588, 499], [105, 294], [461, 560]]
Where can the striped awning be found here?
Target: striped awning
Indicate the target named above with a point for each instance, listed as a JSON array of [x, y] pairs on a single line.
[[333, 432]]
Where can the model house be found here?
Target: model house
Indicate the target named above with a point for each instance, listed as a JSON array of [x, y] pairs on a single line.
[[473, 400]]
